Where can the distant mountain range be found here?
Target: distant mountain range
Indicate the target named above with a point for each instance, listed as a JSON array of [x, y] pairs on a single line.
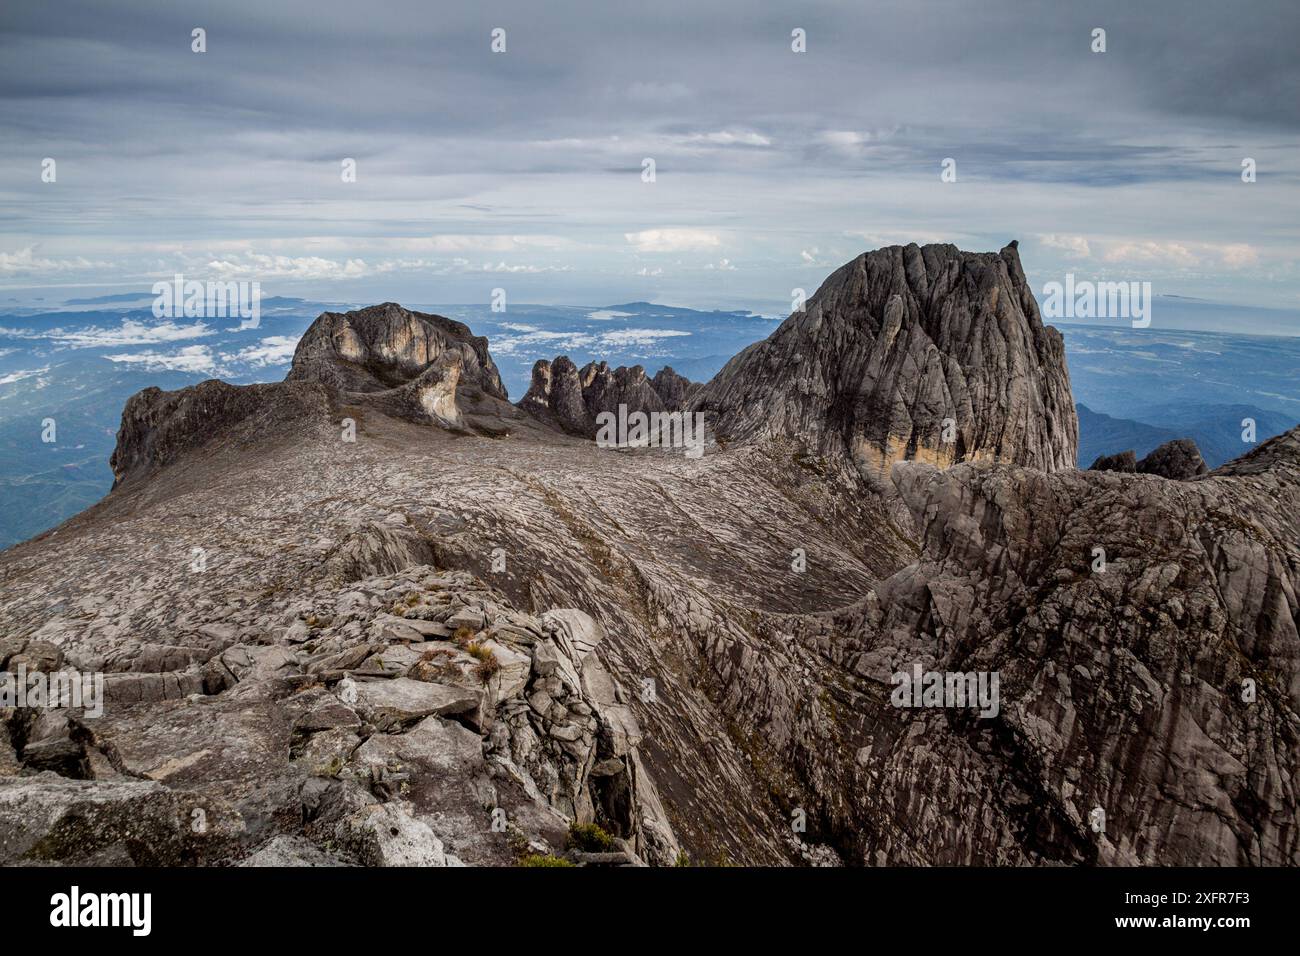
[[1216, 429]]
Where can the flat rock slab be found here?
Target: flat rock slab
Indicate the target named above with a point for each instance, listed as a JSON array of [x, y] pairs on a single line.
[[429, 629], [402, 700]]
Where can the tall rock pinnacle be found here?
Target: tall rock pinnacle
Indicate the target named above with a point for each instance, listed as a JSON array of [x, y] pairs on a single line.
[[909, 353]]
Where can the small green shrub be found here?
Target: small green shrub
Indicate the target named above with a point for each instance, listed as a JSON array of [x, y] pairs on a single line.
[[589, 838], [543, 859]]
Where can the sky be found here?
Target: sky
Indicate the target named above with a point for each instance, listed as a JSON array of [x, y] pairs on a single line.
[[523, 169]]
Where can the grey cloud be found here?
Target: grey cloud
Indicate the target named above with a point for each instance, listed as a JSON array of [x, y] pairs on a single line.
[[243, 143]]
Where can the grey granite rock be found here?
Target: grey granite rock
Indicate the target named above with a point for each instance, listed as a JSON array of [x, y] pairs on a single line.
[[1179, 459], [922, 353], [569, 399], [686, 652], [382, 347]]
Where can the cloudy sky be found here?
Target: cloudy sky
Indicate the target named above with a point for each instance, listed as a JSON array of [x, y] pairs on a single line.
[[523, 169]]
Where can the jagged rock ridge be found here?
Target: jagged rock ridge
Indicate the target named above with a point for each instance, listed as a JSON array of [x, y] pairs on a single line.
[[569, 399]]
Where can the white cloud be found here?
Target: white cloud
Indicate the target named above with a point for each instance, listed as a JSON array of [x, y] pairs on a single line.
[[1183, 255], [530, 341], [842, 138], [603, 314], [673, 240], [727, 137], [1239, 254], [647, 144], [273, 350], [813, 258], [26, 261], [1148, 251], [852, 141], [502, 267], [1157, 253], [1075, 245], [625, 337], [722, 265], [254, 265], [192, 358], [470, 242], [22, 374], [262, 266], [130, 332]]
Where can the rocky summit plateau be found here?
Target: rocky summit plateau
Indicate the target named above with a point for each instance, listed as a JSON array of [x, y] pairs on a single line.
[[377, 614]]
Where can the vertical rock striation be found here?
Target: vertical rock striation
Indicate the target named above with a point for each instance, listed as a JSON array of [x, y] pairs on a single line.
[[910, 352]]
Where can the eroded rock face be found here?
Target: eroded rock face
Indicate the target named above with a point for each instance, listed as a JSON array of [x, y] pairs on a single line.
[[673, 389], [909, 353], [386, 346], [412, 365], [568, 398], [1131, 678]]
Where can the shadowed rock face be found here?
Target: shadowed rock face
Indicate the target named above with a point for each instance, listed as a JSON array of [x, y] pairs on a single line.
[[1179, 459], [685, 651], [893, 347], [568, 398], [1124, 461], [158, 427], [675, 390]]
